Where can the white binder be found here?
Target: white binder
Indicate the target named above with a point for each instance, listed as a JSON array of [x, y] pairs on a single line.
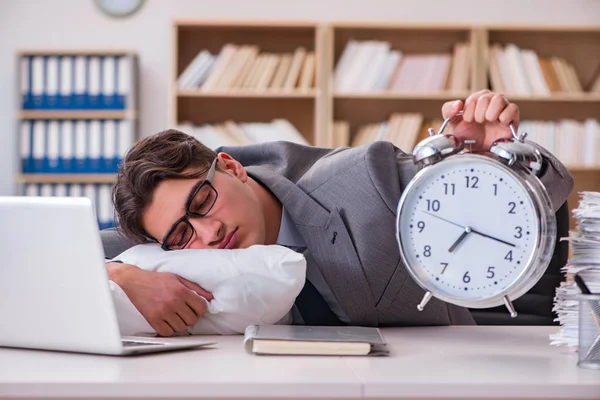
[[39, 146], [32, 189], [80, 146], [37, 81], [46, 190], [66, 81], [80, 87], [109, 82], [53, 137], [94, 82], [51, 82], [25, 146], [60, 190], [109, 146], [67, 150], [94, 146], [124, 137]]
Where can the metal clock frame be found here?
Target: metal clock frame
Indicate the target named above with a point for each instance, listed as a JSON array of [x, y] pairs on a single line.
[[517, 159]]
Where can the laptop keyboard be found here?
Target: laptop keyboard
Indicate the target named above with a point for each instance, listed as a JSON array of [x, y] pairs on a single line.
[[130, 343]]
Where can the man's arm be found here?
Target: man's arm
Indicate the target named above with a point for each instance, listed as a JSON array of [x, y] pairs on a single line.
[[168, 302], [556, 178]]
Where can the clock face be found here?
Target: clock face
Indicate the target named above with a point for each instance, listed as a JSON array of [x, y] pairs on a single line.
[[468, 229]]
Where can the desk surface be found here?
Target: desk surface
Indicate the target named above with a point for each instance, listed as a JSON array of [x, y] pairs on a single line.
[[440, 362]]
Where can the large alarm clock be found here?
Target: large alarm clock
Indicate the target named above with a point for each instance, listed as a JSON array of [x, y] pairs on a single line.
[[475, 230]]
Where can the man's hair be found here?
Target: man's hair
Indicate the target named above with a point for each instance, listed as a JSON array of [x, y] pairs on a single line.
[[165, 155]]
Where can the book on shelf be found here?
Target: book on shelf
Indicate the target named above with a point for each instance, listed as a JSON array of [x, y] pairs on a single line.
[[314, 340], [584, 260], [230, 133], [595, 88], [339, 135], [572, 142], [373, 66], [246, 68], [515, 70], [99, 194], [402, 129], [77, 82]]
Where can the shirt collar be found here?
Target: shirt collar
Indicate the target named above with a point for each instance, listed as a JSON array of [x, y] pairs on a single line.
[[288, 233]]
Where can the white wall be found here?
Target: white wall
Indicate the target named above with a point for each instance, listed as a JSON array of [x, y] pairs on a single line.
[[77, 24]]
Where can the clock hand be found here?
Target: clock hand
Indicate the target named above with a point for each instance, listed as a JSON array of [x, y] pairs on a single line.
[[493, 238], [460, 239], [444, 219], [472, 230]]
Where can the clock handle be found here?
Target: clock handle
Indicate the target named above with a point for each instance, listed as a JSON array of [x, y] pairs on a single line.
[[511, 308], [516, 136]]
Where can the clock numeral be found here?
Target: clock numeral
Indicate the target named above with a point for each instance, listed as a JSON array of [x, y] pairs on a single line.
[[512, 205], [495, 189], [490, 272], [466, 277], [519, 233], [449, 188], [421, 226], [427, 251], [472, 182], [433, 205], [509, 256], [445, 265]]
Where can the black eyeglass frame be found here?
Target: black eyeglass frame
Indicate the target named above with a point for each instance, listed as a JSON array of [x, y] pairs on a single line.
[[189, 214]]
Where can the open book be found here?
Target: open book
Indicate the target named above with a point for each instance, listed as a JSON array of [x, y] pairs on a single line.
[[314, 340]]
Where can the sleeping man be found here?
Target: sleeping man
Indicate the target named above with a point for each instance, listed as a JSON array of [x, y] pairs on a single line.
[[334, 206]]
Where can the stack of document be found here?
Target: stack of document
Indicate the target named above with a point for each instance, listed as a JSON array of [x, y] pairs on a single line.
[[584, 260]]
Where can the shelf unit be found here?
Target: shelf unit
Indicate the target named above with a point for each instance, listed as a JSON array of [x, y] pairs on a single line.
[[302, 108], [314, 112], [91, 98], [363, 108], [579, 46], [67, 178]]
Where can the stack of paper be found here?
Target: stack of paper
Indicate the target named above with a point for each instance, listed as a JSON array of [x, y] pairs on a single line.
[[584, 244]]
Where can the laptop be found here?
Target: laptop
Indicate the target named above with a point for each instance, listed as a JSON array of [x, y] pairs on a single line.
[[54, 290]]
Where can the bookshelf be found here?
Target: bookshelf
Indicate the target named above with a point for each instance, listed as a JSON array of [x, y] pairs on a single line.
[[233, 98], [577, 47], [362, 98], [77, 117], [413, 82]]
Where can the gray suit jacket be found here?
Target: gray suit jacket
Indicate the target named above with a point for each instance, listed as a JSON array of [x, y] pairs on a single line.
[[343, 203]]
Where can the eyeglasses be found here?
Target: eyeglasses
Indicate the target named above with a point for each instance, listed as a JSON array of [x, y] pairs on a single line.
[[201, 200]]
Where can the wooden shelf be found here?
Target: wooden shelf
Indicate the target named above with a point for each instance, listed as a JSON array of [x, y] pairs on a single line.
[[249, 94], [583, 168], [76, 114], [75, 52], [246, 24], [302, 108], [314, 112], [558, 97], [67, 178], [442, 96]]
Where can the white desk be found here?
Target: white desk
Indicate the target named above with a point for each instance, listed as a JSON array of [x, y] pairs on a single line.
[[425, 363]]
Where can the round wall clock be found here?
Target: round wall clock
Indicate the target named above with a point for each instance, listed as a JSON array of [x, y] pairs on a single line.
[[119, 8]]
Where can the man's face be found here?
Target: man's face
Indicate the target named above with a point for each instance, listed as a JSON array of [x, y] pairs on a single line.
[[236, 220]]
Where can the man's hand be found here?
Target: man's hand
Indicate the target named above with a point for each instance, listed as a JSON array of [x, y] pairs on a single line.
[[486, 117], [168, 302]]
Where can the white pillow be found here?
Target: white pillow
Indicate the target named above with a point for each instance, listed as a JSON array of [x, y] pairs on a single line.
[[256, 285]]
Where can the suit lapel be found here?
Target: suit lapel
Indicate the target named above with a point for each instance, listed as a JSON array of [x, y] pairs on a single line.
[[329, 244]]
